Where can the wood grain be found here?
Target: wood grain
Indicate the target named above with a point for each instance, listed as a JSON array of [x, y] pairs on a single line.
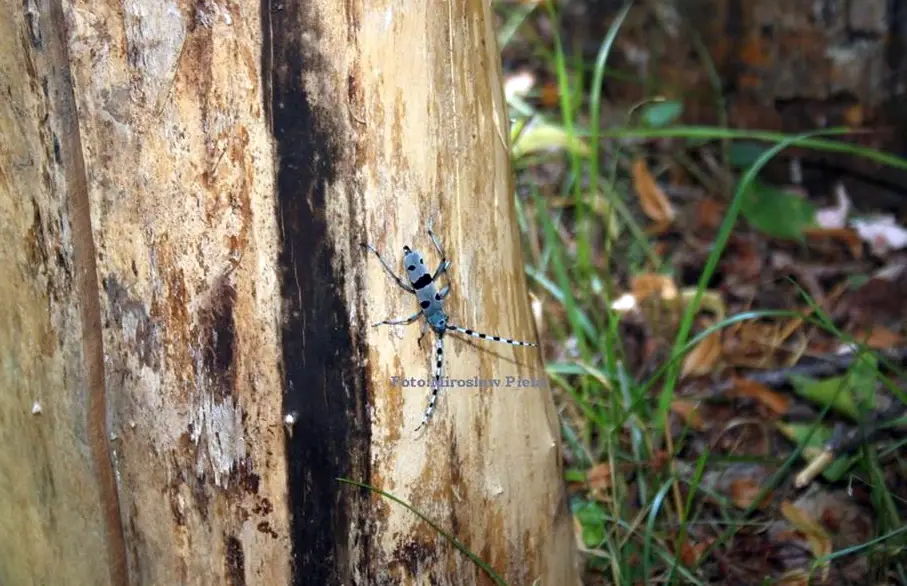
[[223, 162]]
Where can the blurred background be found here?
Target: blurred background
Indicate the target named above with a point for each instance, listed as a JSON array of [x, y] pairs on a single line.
[[712, 199]]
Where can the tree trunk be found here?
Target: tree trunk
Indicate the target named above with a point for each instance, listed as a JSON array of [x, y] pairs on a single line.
[[186, 305]]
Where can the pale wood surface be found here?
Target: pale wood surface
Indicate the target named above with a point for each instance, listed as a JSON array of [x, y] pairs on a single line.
[[232, 157]]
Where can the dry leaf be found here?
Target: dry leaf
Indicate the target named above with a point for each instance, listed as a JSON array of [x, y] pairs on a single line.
[[703, 358], [689, 412], [690, 553], [660, 459], [749, 388], [652, 198], [744, 492], [848, 236], [710, 301], [549, 95], [853, 116], [599, 477], [708, 214], [818, 538], [744, 261], [880, 338], [752, 344], [648, 284], [794, 578]]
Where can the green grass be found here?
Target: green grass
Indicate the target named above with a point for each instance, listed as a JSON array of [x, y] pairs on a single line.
[[619, 421]]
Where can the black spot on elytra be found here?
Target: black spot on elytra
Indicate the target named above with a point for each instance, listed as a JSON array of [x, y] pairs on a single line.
[[425, 304], [422, 282], [437, 297], [320, 350], [235, 561], [411, 268], [469, 332], [440, 351]]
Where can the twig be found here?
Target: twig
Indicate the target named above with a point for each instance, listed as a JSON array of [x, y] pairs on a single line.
[[845, 440]]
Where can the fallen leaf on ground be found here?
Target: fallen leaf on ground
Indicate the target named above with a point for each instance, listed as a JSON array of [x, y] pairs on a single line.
[[816, 535], [708, 214], [749, 388], [647, 285], [599, 477], [847, 522], [690, 553], [689, 412], [744, 492], [753, 344], [703, 358], [652, 198], [794, 578], [659, 460], [880, 299], [880, 338], [847, 236], [550, 95], [739, 479], [744, 260], [709, 301], [854, 116]]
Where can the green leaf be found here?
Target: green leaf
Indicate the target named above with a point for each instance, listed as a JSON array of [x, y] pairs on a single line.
[[742, 154], [864, 375], [775, 212], [849, 395], [591, 518], [797, 432], [660, 114], [825, 392], [566, 368], [574, 475]]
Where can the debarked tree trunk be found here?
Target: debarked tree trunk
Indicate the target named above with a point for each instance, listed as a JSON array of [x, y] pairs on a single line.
[[186, 362]]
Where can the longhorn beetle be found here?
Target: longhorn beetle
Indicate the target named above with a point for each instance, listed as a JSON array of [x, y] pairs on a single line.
[[431, 307]]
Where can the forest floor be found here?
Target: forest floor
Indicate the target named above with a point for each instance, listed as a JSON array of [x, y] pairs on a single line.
[[723, 321]]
